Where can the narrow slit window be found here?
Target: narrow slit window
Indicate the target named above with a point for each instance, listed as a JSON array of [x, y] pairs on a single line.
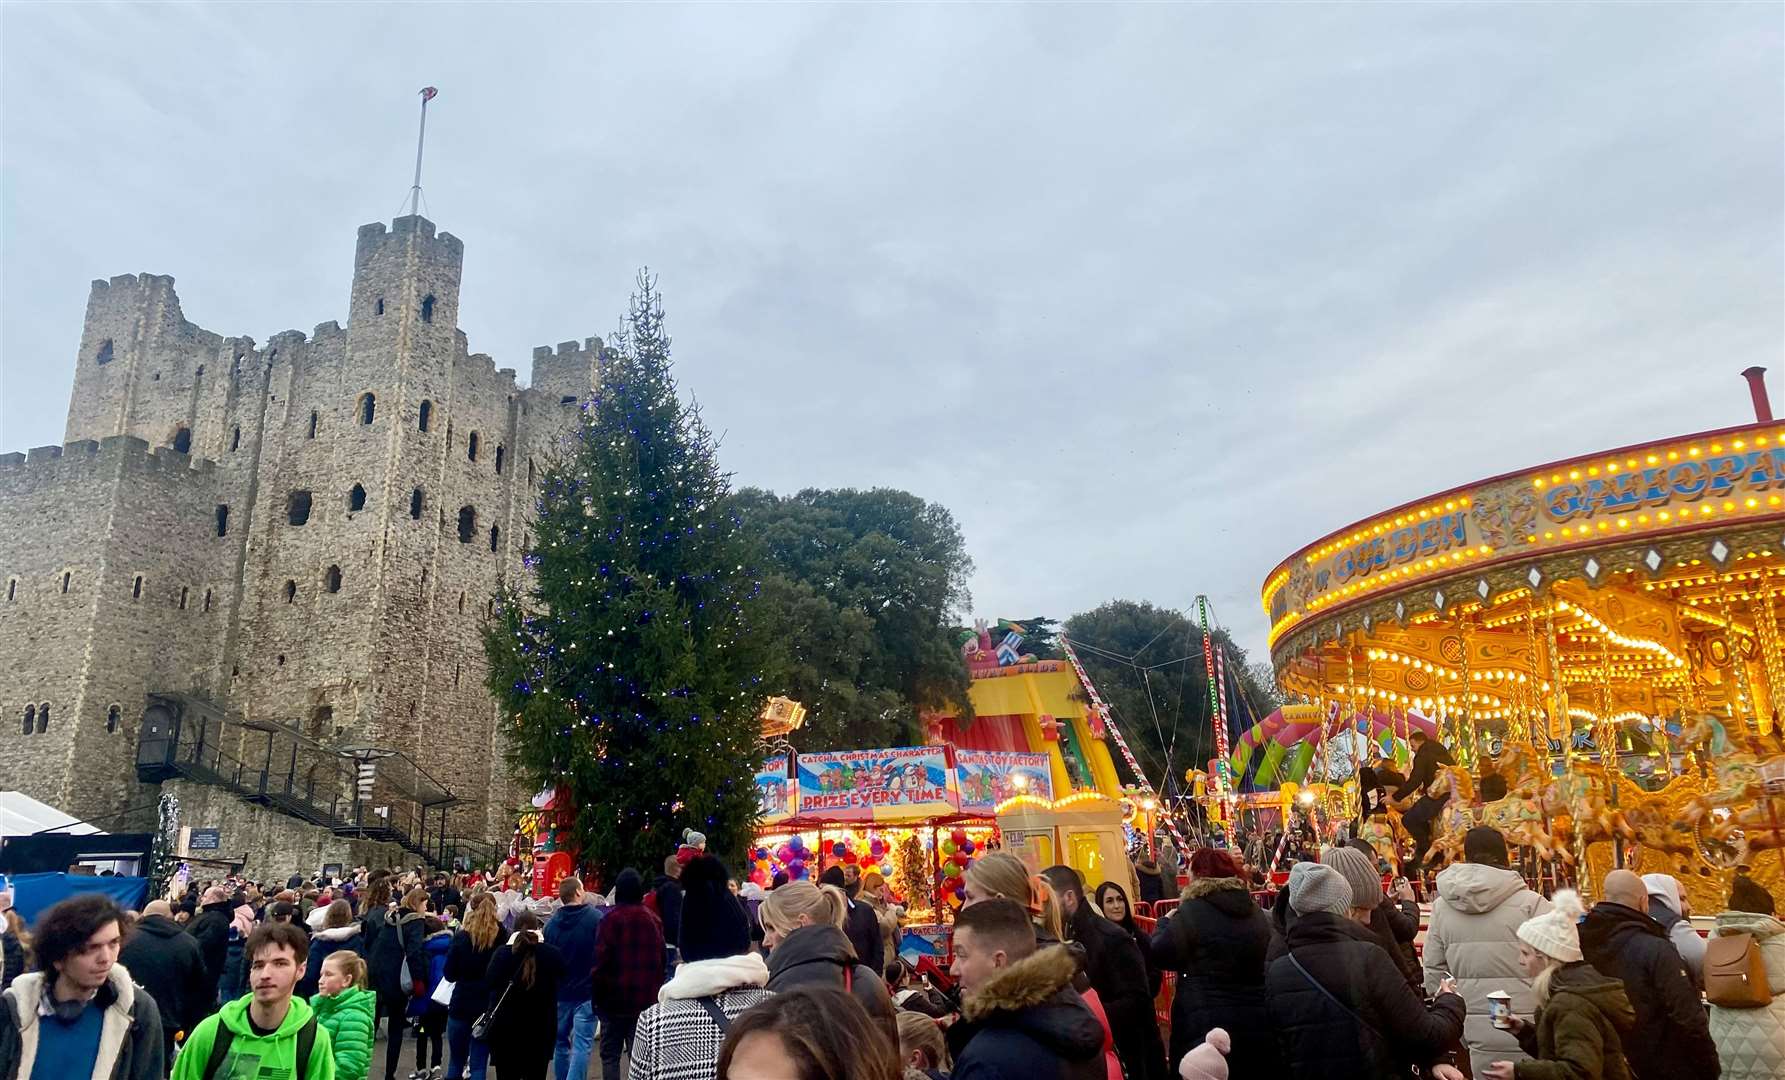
[[495, 537], [426, 414], [378, 308], [501, 452], [427, 308], [313, 419], [290, 591], [471, 447], [235, 438], [30, 719], [12, 589], [207, 599], [356, 499], [183, 440], [184, 592], [113, 717], [104, 355], [222, 519], [332, 579], [368, 407], [66, 577], [467, 524], [136, 588], [415, 504], [43, 718]]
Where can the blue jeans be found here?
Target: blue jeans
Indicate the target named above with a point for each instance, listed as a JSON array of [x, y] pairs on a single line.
[[461, 1045], [576, 1040]]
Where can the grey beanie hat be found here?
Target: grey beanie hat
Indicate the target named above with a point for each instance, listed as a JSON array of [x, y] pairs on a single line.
[[1314, 887], [1355, 867]]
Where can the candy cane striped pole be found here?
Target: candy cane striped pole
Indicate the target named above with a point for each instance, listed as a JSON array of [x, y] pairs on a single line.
[[1109, 725]]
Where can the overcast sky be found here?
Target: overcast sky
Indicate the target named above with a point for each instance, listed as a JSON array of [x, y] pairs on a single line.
[[1148, 296]]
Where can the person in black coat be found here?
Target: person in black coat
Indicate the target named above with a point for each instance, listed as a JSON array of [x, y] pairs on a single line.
[[523, 1030], [339, 932], [468, 966], [1672, 1035], [210, 927], [1118, 974], [1216, 941], [167, 962], [1419, 819], [1341, 1009], [1020, 1017], [1112, 904], [860, 925], [400, 951]]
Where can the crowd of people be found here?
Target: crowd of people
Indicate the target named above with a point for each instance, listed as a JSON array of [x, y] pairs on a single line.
[[694, 976]]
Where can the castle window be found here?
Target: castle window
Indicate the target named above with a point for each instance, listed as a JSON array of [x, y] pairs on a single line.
[[12, 589], [489, 608], [279, 661], [222, 519], [427, 308], [471, 447], [290, 590], [198, 372], [495, 537], [501, 452], [113, 717], [207, 599], [415, 504], [183, 440], [378, 309], [427, 412], [461, 603], [136, 588], [312, 434], [529, 472], [30, 719], [66, 576], [424, 581], [235, 438], [297, 507], [567, 399], [356, 499], [455, 674], [332, 579], [467, 524], [104, 355], [184, 592], [368, 407], [43, 718]]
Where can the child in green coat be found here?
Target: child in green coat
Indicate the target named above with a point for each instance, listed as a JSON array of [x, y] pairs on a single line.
[[344, 1007]]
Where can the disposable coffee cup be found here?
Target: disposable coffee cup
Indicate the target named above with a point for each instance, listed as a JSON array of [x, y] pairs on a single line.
[[1499, 1004]]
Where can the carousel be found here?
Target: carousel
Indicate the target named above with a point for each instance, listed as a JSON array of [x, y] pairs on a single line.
[[1597, 640]]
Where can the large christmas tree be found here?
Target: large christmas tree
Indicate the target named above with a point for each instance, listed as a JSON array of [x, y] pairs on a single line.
[[628, 668]]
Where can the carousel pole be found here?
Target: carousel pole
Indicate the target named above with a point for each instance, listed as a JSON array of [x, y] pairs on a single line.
[[1744, 691]]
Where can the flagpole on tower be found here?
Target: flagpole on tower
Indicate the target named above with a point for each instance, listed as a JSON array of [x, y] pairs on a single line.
[[428, 94]]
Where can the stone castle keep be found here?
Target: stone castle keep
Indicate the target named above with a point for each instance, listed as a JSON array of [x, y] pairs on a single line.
[[272, 563]]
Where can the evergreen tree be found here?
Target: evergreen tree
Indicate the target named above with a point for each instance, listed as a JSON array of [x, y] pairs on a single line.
[[629, 668]]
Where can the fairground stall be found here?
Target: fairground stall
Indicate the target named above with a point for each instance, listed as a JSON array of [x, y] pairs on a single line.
[[1597, 637]]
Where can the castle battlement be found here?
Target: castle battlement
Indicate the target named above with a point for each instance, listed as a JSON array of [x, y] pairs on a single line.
[[97, 453]]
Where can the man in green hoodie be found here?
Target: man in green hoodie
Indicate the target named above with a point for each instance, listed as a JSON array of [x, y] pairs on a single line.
[[267, 1034]]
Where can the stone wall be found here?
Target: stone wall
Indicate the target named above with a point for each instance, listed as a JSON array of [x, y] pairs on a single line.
[[273, 845]]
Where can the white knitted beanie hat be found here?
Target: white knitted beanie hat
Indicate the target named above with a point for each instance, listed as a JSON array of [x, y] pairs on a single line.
[[1556, 933]]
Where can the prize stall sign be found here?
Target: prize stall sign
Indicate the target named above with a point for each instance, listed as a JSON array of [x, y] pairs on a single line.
[[986, 778], [875, 785], [776, 792]]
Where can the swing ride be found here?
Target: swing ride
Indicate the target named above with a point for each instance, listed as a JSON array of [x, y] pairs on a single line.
[[1598, 637]]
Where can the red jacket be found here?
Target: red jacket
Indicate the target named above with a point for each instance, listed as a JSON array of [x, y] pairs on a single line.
[[628, 960]]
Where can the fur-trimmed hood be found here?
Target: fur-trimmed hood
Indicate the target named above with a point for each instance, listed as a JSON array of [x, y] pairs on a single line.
[[1228, 895], [1030, 1003], [1023, 985]]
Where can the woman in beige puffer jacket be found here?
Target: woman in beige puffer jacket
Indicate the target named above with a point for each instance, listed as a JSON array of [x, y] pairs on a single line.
[[1751, 1042], [1474, 936]]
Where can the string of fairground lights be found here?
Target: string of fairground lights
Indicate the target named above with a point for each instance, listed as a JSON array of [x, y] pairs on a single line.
[[1109, 725]]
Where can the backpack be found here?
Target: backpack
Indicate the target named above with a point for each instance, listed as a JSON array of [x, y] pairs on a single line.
[[1735, 973], [225, 1037]]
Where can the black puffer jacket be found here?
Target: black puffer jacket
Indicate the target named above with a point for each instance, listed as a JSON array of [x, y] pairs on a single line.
[[1216, 942], [819, 956], [211, 927], [1672, 1034], [168, 963], [1118, 973], [1381, 1027], [1027, 1023], [398, 949]]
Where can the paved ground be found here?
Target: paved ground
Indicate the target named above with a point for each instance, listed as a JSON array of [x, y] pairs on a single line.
[[406, 1061]]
